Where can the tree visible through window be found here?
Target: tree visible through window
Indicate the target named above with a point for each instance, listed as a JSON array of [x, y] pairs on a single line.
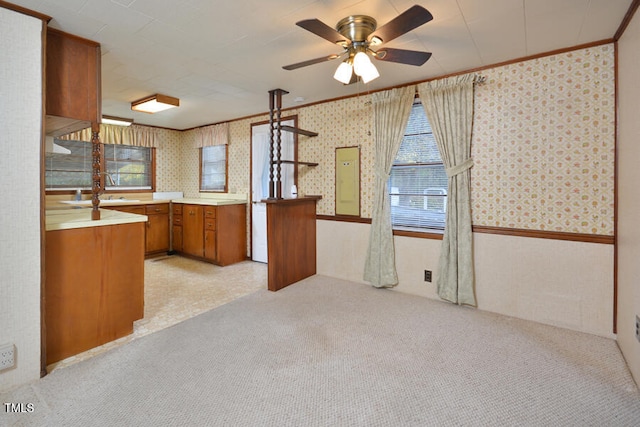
[[418, 182]]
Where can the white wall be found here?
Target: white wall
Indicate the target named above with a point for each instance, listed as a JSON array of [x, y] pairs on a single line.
[[560, 283], [21, 118], [629, 194]]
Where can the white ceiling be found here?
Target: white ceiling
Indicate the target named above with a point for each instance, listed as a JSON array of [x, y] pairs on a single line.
[[222, 57]]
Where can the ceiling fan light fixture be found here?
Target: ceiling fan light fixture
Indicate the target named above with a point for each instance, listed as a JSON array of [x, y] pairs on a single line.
[[343, 73], [155, 103], [370, 73], [364, 68], [360, 62]]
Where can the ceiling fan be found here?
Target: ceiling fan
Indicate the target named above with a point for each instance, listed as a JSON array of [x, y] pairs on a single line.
[[359, 35]]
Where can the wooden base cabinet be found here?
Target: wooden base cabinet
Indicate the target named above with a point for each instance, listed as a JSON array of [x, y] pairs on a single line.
[[157, 236], [94, 286], [215, 234], [210, 233], [192, 230], [157, 233], [291, 240], [176, 227]]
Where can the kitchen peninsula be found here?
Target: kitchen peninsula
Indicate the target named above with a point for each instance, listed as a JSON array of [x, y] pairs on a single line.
[[94, 279]]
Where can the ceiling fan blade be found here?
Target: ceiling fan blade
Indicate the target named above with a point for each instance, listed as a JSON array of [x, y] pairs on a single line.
[[403, 56], [403, 23], [311, 62], [321, 29]]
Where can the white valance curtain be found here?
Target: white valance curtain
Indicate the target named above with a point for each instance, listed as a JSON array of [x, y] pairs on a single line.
[[391, 111], [448, 104], [140, 136], [211, 135]]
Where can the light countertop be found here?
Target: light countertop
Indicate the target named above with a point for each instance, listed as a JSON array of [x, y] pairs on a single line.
[[210, 202], [66, 219]]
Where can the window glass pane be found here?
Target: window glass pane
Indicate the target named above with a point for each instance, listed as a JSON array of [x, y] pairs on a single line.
[[130, 167], [69, 171], [418, 196], [418, 182], [214, 168]]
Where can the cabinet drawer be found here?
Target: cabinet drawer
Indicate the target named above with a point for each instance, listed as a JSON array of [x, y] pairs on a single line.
[[177, 208], [157, 209], [210, 224], [210, 212], [177, 220]]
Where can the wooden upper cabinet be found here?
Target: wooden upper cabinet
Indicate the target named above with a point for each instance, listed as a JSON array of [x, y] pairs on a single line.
[[73, 85]]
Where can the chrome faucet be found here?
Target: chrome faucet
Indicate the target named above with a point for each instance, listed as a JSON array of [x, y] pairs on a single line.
[[111, 181]]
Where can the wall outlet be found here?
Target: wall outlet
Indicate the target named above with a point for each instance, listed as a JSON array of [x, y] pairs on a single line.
[[7, 356], [637, 327], [427, 275]]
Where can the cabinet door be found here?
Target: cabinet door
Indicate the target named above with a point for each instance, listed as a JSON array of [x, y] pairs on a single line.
[[210, 245], [177, 238], [176, 242], [193, 230], [157, 239], [157, 233], [73, 77]]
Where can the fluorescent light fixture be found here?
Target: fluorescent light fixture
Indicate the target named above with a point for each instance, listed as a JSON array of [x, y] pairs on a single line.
[[343, 73], [118, 121], [155, 103]]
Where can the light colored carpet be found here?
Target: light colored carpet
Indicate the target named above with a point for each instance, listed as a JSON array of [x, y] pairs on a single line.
[[325, 352]]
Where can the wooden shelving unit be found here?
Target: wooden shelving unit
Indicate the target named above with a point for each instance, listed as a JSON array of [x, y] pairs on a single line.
[[275, 143], [291, 223]]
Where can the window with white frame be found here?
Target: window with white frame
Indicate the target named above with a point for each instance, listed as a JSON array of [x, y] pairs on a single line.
[[129, 167], [418, 182], [213, 168]]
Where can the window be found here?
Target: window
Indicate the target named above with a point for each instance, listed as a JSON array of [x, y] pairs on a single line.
[[213, 168], [418, 182], [130, 167]]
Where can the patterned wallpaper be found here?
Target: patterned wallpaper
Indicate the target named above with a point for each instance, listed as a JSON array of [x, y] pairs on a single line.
[[543, 146], [168, 160], [343, 123]]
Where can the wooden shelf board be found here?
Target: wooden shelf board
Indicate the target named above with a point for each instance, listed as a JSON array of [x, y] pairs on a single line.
[[299, 131], [292, 162]]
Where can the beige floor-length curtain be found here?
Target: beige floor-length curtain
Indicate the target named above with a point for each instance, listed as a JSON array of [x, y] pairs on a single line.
[[391, 110], [448, 104]]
